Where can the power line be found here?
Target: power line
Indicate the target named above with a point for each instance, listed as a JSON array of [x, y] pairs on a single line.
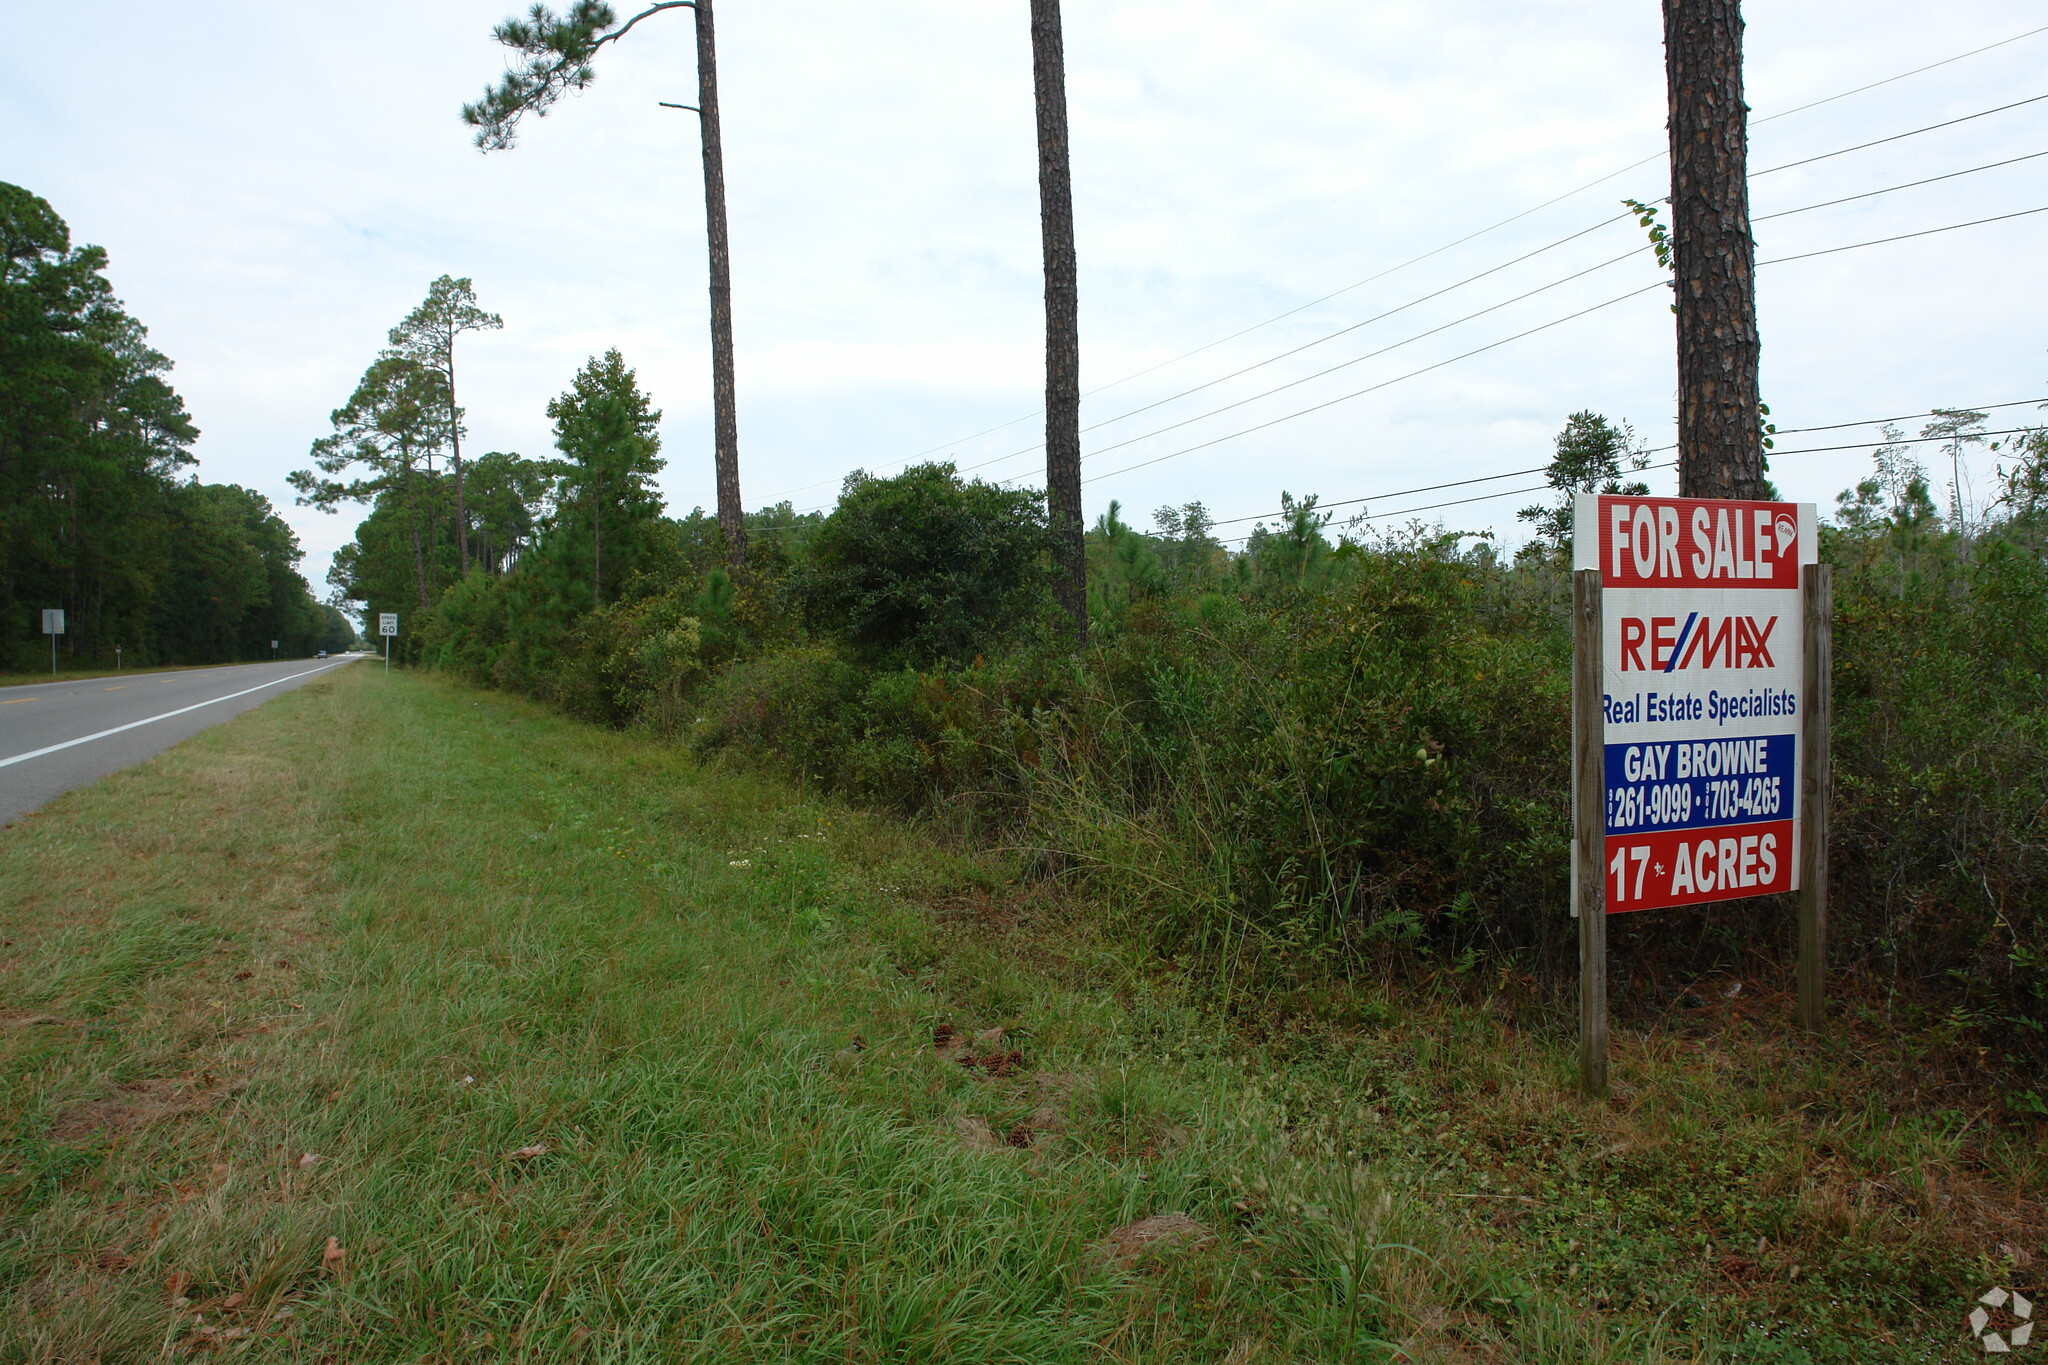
[[1895, 137], [1628, 255], [1902, 441], [1538, 469], [1492, 308], [2002, 42], [1015, 454], [1904, 236], [1513, 218], [1459, 321], [1359, 393], [1403, 493], [1911, 184], [1666, 464], [1268, 322], [1907, 417], [1434, 506], [1342, 331]]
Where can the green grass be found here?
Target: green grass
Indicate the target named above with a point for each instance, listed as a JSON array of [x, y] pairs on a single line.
[[416, 930]]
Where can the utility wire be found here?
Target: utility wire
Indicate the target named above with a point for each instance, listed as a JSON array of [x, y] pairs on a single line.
[[1654, 450], [1426, 507], [1909, 185], [1628, 255], [1403, 493], [1371, 388], [1477, 350], [1895, 137], [1332, 336], [1358, 393], [1666, 464], [1107, 421], [2002, 42], [1907, 417], [1514, 218], [1278, 317], [1905, 236]]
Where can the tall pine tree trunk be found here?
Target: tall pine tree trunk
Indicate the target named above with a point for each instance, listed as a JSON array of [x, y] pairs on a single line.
[[724, 400], [455, 458], [1720, 436], [419, 557], [1062, 319]]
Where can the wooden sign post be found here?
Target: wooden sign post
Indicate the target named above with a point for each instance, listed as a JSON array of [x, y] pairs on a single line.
[[1700, 712], [1816, 777], [1589, 832]]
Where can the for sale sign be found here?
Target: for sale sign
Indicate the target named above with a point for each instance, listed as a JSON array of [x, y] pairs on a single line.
[[1702, 672]]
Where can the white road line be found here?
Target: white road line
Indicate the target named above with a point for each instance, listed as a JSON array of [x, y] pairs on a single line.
[[133, 724]]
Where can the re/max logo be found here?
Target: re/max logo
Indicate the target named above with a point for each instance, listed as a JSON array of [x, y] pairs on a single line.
[[1701, 642]]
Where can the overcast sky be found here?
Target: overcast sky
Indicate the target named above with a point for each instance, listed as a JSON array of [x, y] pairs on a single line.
[[277, 184]]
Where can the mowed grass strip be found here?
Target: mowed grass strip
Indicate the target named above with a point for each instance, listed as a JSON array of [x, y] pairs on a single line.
[[395, 1022]]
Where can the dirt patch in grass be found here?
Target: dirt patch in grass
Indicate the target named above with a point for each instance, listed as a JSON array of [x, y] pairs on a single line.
[[137, 1105], [25, 1020], [1146, 1236]]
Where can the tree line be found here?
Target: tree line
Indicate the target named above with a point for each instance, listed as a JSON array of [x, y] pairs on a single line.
[[1723, 429], [568, 527], [100, 515]]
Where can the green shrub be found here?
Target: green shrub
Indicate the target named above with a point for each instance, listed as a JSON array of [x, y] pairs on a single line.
[[1940, 823], [1374, 765], [926, 567], [635, 660], [959, 741]]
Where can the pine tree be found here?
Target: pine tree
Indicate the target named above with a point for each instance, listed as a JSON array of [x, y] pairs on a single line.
[[606, 428], [391, 427], [428, 335], [1720, 422], [558, 51], [1062, 320]]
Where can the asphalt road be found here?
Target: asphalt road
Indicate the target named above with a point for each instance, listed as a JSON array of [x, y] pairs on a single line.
[[64, 734]]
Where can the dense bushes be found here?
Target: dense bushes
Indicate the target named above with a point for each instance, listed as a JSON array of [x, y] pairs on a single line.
[[1373, 764], [926, 567], [1941, 808], [1325, 771], [1281, 764]]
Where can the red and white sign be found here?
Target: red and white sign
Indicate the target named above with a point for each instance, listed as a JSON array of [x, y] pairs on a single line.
[[1702, 673]]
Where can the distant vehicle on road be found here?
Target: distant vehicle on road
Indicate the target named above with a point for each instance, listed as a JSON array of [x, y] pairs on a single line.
[[321, 655]]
